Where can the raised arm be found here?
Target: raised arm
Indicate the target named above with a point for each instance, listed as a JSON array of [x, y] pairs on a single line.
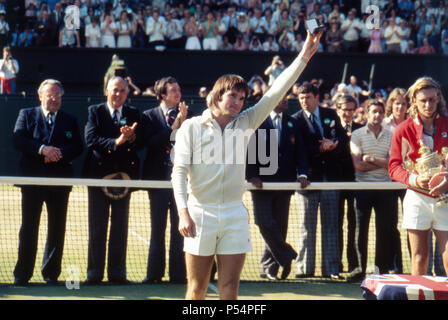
[[283, 82]]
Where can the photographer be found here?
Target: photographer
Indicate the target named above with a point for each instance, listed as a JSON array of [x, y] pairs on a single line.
[[274, 69], [255, 44], [9, 67]]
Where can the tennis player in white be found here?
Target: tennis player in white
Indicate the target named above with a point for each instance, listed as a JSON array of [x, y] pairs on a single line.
[[208, 179]]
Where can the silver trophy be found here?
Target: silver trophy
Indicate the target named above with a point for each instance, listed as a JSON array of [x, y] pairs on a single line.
[[427, 165]]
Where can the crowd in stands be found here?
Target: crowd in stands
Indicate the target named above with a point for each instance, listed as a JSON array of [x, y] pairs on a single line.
[[404, 26]]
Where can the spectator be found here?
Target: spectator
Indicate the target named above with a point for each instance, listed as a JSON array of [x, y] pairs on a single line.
[[295, 8], [411, 49], [285, 23], [240, 44], [406, 32], [48, 139], [93, 34], [393, 35], [432, 31], [69, 38], [298, 43], [325, 142], [375, 41], [285, 44], [335, 15], [192, 31], [270, 45], [370, 147], [26, 37], [14, 42], [258, 25], [271, 25], [255, 44], [360, 116], [46, 30], [334, 37], [345, 108], [354, 90], [405, 8], [274, 70], [108, 30], [225, 45], [426, 48], [124, 30], [396, 109], [221, 30], [113, 137], [351, 29], [9, 68], [230, 20], [139, 38], [243, 26], [444, 39], [159, 125], [421, 22], [209, 31], [174, 32], [4, 30], [156, 31]]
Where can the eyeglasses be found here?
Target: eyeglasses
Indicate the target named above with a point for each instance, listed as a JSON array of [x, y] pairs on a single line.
[[347, 110], [53, 96]]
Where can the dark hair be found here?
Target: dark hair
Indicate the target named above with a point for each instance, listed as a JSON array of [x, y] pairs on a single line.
[[307, 87], [374, 102], [160, 86]]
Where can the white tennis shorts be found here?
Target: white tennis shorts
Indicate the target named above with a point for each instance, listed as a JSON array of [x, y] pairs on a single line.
[[220, 229], [421, 213]]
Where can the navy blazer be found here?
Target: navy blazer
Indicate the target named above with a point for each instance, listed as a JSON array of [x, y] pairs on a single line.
[[103, 156], [326, 164], [292, 154], [31, 132], [157, 139]]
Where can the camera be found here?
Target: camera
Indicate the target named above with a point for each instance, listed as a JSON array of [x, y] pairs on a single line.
[[313, 26]]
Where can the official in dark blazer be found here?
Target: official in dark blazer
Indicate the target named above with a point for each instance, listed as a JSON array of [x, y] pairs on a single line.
[[345, 108], [271, 208], [160, 125], [113, 137], [325, 141], [48, 139]]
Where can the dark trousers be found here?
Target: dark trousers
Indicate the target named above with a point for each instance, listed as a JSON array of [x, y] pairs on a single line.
[[347, 195], [160, 201], [100, 208], [271, 212], [56, 200], [386, 218]]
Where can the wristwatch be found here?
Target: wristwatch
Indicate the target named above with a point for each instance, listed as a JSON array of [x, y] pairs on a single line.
[[371, 158]]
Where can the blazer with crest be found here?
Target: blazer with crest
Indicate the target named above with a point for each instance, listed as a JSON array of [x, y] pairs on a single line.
[[31, 131], [326, 164], [103, 157]]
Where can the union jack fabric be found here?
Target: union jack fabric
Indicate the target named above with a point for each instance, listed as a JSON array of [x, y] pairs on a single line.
[[404, 287]]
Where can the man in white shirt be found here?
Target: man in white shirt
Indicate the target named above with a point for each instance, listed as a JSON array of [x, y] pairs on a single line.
[[393, 35], [352, 29], [214, 220]]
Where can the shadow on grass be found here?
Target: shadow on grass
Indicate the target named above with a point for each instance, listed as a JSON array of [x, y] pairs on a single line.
[[291, 290]]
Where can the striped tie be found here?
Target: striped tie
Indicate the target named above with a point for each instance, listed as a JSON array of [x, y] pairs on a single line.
[[50, 120]]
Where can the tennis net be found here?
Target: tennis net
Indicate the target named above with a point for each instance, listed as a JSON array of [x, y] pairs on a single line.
[[76, 236]]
